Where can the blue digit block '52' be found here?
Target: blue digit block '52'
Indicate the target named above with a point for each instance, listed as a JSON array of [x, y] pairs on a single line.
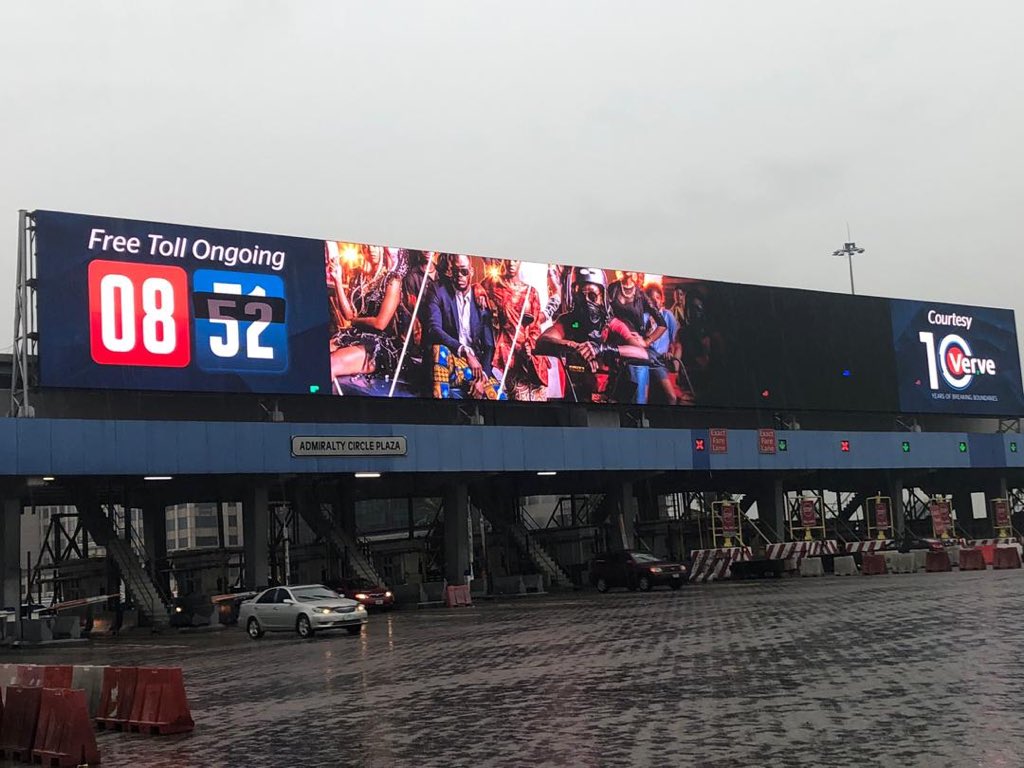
[[240, 321]]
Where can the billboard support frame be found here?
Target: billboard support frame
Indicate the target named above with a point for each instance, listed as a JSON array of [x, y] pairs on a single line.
[[24, 346]]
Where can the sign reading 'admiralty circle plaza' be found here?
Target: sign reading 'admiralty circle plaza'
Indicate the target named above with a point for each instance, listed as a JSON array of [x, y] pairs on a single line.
[[319, 445]]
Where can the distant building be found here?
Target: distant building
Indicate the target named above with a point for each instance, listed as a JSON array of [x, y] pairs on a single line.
[[195, 526]]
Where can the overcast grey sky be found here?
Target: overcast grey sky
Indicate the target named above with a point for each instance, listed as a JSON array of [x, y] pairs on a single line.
[[728, 140]]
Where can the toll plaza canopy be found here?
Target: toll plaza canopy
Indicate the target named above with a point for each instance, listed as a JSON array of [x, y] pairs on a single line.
[[44, 447]]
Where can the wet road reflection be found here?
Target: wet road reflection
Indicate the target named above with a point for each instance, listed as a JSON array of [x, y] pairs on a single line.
[[903, 670]]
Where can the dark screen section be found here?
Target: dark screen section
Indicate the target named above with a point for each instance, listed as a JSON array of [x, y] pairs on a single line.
[[800, 350]]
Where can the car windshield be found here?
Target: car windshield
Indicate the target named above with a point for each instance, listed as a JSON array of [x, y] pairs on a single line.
[[643, 557], [314, 593]]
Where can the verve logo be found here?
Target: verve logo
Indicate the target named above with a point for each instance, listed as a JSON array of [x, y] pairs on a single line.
[[954, 360]]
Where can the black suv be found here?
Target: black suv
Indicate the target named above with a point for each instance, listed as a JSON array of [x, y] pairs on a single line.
[[634, 570]]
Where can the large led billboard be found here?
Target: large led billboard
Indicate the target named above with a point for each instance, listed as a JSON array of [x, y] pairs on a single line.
[[146, 306]]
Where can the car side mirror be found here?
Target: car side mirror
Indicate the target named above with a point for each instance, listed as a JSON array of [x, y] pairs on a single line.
[[288, 601]]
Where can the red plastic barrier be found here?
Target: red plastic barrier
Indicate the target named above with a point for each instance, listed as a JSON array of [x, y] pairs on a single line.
[[19, 725], [988, 552], [1006, 557], [44, 676], [64, 735], [116, 697], [456, 596], [29, 676], [160, 705], [872, 565], [972, 560], [57, 676], [937, 562]]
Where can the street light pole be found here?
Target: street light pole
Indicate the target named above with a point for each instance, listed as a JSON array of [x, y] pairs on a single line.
[[848, 250]]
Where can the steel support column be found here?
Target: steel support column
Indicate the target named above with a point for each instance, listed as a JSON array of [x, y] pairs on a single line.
[[255, 533], [10, 554], [456, 533]]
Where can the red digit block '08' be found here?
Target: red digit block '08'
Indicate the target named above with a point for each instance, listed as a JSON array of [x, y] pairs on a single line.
[[138, 315]]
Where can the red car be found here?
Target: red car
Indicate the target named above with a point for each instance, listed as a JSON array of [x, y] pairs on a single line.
[[635, 570], [369, 594]]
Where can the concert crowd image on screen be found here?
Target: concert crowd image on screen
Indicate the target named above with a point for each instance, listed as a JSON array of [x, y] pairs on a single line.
[[409, 323], [137, 305]]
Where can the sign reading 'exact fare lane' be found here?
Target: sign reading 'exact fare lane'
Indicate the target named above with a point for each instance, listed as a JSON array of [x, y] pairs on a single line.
[[318, 445]]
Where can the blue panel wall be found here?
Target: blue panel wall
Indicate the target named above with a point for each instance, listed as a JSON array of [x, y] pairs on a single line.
[[74, 447]]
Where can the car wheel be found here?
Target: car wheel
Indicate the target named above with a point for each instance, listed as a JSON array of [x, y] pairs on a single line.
[[602, 585], [303, 627], [676, 584], [354, 630], [253, 628], [643, 584]]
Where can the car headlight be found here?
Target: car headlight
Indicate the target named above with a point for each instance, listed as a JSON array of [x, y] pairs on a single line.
[[387, 594], [361, 608], [321, 610], [178, 609], [361, 596], [655, 569]]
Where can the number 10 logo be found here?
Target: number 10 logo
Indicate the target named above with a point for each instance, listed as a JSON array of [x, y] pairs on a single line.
[[138, 315]]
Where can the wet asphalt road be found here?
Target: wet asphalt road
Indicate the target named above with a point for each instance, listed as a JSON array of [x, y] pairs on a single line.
[[917, 670]]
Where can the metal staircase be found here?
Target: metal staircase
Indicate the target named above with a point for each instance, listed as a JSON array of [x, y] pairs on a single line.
[[527, 543], [144, 592], [320, 520], [575, 511]]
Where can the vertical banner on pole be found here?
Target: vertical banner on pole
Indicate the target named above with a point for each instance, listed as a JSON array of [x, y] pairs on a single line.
[[1001, 518], [727, 512], [725, 524], [808, 515], [941, 520], [881, 507]]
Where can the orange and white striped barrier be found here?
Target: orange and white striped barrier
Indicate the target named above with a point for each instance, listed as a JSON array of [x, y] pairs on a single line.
[[714, 564], [800, 549], [875, 545]]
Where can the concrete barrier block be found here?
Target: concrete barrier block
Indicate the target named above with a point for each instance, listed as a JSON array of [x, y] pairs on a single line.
[[937, 562], [845, 565], [873, 564], [920, 555], [433, 591], [890, 560], [409, 594], [89, 679], [67, 627], [1006, 557], [811, 566], [972, 560], [907, 562], [533, 582], [509, 585], [37, 630]]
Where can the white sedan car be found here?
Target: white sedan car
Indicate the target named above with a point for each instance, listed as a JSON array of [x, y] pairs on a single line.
[[305, 610]]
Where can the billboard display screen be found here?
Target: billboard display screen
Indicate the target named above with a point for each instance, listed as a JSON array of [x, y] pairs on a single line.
[[956, 359], [146, 306]]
